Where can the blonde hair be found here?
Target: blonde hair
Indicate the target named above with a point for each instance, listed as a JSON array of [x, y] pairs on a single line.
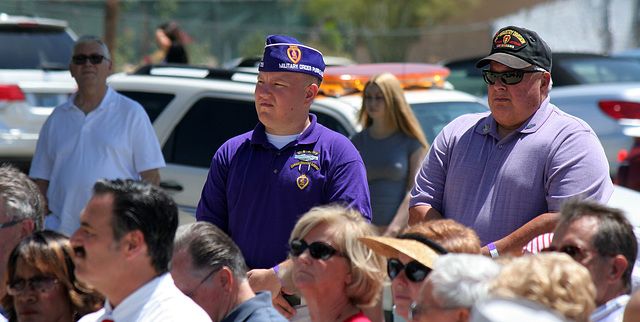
[[553, 279], [453, 236], [368, 269], [398, 112]]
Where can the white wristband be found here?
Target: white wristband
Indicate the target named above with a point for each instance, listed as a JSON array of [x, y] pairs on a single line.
[[492, 250]]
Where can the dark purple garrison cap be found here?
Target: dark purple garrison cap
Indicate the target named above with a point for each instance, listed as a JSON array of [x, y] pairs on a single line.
[[518, 48], [287, 54]]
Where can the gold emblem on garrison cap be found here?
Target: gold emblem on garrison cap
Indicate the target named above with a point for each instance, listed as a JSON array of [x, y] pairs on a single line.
[[294, 54]]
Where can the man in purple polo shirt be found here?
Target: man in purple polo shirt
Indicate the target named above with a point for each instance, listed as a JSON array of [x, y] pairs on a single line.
[[506, 173], [260, 182]]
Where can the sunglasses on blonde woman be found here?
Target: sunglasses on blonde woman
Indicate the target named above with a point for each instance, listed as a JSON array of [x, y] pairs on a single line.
[[318, 250]]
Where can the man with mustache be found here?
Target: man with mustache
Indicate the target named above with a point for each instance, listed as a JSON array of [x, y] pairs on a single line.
[[123, 249]]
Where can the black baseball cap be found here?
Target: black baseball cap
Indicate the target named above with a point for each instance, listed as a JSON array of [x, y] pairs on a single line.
[[518, 48]]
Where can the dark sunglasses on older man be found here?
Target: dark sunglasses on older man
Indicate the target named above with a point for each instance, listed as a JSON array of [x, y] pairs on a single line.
[[94, 59], [318, 250], [576, 252], [415, 271], [511, 77]]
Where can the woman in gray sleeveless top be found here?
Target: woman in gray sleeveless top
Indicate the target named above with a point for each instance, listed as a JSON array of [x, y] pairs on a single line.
[[392, 146]]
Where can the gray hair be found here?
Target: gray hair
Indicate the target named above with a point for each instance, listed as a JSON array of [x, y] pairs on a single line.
[[89, 39], [21, 197], [461, 280], [614, 234], [210, 247]]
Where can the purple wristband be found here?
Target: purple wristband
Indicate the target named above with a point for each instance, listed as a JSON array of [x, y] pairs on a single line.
[[276, 269]]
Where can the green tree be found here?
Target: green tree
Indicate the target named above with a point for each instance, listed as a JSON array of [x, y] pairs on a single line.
[[387, 27]]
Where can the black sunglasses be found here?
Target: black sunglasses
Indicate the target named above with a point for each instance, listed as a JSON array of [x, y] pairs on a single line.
[[576, 252], [94, 59], [415, 271], [318, 250], [511, 77]]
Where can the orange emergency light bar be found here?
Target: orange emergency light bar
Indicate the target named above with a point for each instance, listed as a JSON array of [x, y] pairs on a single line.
[[343, 80]]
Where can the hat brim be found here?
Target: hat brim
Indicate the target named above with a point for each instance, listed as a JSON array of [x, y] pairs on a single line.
[[390, 247], [504, 59]]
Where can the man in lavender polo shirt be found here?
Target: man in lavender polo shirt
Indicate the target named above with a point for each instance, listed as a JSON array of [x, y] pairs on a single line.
[[260, 182], [506, 173]]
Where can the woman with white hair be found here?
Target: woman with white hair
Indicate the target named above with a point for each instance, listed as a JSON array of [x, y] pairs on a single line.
[[455, 284]]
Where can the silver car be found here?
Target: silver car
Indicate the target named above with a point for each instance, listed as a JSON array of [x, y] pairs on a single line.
[[34, 78]]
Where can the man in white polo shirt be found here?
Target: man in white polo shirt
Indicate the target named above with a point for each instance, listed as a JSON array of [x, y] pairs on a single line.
[[98, 133]]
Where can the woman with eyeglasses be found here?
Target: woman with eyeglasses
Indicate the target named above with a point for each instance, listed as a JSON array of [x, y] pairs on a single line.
[[41, 284], [336, 275], [410, 256], [393, 146]]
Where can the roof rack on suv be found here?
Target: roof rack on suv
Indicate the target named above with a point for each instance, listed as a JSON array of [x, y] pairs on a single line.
[[193, 71]]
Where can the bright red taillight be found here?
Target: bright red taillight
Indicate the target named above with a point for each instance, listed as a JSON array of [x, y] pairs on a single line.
[[621, 110], [11, 93]]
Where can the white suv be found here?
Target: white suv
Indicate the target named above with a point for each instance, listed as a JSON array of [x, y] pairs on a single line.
[[194, 110], [34, 78]]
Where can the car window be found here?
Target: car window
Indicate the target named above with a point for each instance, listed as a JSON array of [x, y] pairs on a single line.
[[434, 116], [331, 123], [212, 121], [595, 71], [34, 48], [153, 103], [209, 123]]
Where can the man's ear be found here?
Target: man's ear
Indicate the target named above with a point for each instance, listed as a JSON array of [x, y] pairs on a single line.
[[545, 80], [463, 314], [26, 228], [134, 243], [224, 279], [310, 93], [618, 268]]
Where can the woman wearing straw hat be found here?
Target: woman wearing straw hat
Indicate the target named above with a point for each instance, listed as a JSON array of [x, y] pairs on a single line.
[[409, 261]]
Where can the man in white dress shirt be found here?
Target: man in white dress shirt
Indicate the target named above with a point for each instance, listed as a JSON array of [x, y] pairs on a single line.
[[123, 248]]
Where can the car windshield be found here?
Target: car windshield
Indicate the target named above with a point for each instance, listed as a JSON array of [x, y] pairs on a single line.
[[602, 70], [434, 116], [35, 48]]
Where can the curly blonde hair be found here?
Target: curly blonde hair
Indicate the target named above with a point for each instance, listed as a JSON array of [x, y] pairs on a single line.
[[368, 269], [553, 279]]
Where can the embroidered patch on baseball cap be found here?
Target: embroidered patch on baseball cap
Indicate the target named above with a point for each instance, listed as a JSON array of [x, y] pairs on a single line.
[[518, 48]]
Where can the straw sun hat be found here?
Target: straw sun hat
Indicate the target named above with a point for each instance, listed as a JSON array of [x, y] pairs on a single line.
[[417, 247]]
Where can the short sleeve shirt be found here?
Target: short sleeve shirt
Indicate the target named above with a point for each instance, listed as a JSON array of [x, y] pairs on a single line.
[[116, 140], [495, 185], [388, 171], [256, 192]]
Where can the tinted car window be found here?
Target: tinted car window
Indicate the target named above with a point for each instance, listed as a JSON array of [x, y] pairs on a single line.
[[331, 123], [34, 48], [595, 71], [208, 124], [153, 103], [434, 116]]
